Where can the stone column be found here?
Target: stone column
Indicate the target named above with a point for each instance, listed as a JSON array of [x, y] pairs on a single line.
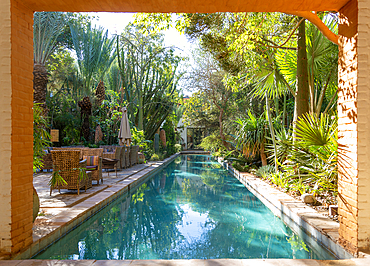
[[354, 126], [16, 122]]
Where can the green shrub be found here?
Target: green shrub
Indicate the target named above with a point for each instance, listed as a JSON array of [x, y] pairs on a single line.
[[264, 171], [138, 138], [240, 168], [212, 143], [41, 137], [178, 147], [155, 157]]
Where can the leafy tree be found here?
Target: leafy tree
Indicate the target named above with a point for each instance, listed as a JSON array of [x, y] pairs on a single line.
[[200, 112], [206, 76]]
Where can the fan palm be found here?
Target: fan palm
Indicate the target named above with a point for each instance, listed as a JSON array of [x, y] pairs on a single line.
[[322, 58], [46, 29], [314, 154], [278, 75]]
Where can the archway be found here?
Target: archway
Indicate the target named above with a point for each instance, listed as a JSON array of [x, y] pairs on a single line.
[[16, 103]]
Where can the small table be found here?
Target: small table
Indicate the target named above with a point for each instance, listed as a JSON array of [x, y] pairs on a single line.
[[109, 164]]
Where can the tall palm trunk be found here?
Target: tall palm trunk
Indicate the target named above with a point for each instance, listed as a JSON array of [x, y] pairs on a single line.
[[263, 155], [220, 121], [301, 105], [40, 80]]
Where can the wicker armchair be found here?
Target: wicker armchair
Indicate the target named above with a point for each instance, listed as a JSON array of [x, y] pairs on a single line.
[[122, 157], [134, 150], [97, 173], [69, 149], [113, 152], [47, 161], [125, 157], [67, 162]]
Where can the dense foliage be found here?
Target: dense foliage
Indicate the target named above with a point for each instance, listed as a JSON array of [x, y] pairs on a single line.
[[293, 68], [265, 95], [91, 75]]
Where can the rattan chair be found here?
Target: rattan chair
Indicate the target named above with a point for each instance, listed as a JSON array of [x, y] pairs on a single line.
[[126, 156], [113, 152], [123, 157], [134, 150], [47, 161], [70, 149], [67, 163], [97, 173]]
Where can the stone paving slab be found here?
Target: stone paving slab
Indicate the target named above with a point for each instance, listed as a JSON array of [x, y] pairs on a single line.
[[58, 210]]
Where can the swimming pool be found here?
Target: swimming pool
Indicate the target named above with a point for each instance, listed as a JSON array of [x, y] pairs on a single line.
[[191, 209]]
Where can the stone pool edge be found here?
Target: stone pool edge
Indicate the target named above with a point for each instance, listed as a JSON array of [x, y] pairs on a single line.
[[69, 219], [294, 213]]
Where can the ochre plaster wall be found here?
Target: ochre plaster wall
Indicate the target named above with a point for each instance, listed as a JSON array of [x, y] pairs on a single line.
[[16, 139], [363, 124], [22, 125], [186, 6], [354, 125], [347, 135], [5, 127]]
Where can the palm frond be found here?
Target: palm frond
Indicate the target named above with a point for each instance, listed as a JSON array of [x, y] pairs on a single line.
[[314, 131], [46, 29]]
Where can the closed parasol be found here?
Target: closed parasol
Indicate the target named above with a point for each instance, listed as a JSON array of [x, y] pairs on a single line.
[[124, 134]]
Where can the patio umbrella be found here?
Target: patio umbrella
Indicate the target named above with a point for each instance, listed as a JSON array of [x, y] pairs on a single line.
[[124, 134]]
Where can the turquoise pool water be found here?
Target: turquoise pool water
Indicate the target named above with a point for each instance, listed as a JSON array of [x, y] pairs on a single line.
[[191, 209]]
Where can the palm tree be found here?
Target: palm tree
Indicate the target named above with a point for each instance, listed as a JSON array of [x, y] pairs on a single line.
[[279, 74], [316, 151], [95, 53], [46, 29]]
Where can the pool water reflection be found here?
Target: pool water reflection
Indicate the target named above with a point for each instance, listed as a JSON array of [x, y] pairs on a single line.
[[192, 209]]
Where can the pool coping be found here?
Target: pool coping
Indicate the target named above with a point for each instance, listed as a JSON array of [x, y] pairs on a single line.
[[296, 214], [69, 219]]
